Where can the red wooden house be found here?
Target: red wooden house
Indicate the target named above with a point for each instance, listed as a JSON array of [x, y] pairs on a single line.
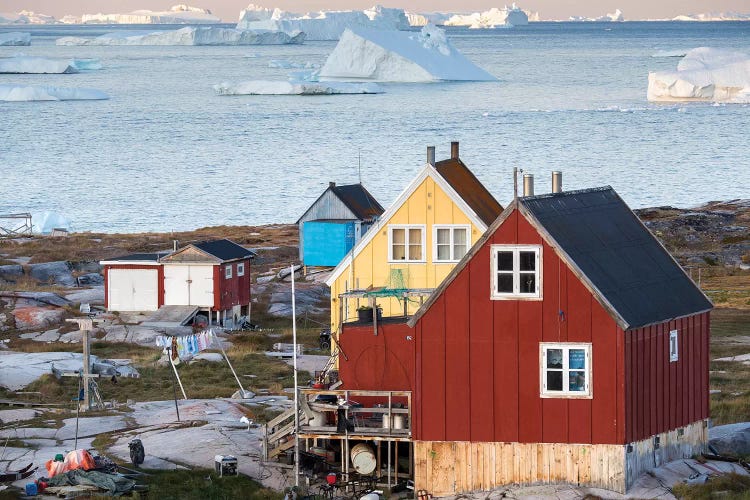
[[567, 345], [213, 276]]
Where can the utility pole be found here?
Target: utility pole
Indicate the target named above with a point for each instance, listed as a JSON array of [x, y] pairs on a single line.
[[85, 325]]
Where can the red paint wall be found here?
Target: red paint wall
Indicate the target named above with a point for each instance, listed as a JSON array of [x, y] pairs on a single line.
[[159, 278], [663, 395], [383, 362], [477, 360], [233, 291]]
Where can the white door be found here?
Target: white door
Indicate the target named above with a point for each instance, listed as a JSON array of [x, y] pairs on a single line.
[[187, 285], [133, 290]]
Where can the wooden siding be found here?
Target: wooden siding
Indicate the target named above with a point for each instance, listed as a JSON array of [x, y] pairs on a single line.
[[662, 395], [160, 279], [477, 360], [234, 291], [450, 468], [382, 362], [428, 205], [328, 206]]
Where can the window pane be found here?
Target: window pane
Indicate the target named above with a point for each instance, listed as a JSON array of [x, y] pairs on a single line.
[[577, 381], [554, 358], [443, 236], [528, 283], [459, 236], [577, 359], [459, 251], [527, 261], [415, 252], [504, 283], [415, 236], [399, 252], [554, 381], [398, 236], [504, 261], [444, 252]]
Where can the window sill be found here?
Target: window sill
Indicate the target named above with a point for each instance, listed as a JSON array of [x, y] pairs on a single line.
[[566, 395], [528, 297], [407, 262]]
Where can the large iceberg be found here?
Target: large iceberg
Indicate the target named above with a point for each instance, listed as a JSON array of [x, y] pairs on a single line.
[[713, 16], [189, 36], [37, 65], [25, 17], [323, 25], [264, 87], [507, 16], [15, 38], [704, 74], [10, 92], [399, 57], [178, 14]]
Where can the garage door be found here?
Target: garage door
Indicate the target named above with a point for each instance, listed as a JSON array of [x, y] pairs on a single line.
[[133, 290], [189, 285]]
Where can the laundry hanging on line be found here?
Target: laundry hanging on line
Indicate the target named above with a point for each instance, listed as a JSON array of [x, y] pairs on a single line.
[[187, 345]]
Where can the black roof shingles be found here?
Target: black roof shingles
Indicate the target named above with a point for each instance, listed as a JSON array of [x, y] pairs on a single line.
[[140, 257], [618, 255], [225, 249], [359, 200]]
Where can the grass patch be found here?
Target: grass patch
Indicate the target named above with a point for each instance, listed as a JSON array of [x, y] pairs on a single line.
[[732, 404], [203, 484], [729, 486]]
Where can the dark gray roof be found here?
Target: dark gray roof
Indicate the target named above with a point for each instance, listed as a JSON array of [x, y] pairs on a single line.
[[140, 257], [617, 254], [359, 200], [225, 249]]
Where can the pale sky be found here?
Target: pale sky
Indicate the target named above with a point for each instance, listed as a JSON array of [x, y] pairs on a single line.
[[229, 10]]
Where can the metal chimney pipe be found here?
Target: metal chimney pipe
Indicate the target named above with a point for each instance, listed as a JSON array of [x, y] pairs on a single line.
[[528, 185], [556, 181], [454, 150], [431, 155], [174, 245], [331, 184]]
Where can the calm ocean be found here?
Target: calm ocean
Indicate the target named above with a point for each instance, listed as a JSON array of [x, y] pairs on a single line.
[[165, 153]]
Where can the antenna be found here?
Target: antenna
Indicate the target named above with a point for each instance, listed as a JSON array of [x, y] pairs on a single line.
[[359, 164]]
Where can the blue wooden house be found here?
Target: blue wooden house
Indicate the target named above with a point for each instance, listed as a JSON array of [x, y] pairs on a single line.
[[334, 223]]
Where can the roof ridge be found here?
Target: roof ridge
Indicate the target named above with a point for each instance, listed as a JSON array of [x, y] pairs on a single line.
[[566, 193]]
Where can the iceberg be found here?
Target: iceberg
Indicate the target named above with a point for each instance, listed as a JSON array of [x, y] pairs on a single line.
[[424, 18], [323, 25], [15, 38], [189, 36], [45, 222], [507, 16], [265, 87], [25, 17], [399, 57], [704, 74], [10, 92], [616, 16], [713, 16], [178, 14], [37, 65]]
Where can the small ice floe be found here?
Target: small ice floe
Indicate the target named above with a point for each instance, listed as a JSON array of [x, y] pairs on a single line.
[[37, 65], [265, 87], [10, 92], [15, 38], [279, 63]]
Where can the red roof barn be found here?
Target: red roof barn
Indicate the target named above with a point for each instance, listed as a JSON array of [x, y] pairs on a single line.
[[567, 345]]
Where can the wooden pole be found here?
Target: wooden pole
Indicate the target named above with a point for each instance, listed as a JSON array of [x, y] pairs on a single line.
[[86, 369], [242, 390], [169, 353], [296, 388]]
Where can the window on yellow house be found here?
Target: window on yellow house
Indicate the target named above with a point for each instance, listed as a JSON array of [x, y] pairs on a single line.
[[406, 243]]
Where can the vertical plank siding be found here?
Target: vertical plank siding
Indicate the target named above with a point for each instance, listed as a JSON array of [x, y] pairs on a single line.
[[663, 395], [450, 467]]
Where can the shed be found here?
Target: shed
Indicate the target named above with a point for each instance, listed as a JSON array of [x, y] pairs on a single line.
[[213, 275], [335, 222], [567, 345], [133, 282]]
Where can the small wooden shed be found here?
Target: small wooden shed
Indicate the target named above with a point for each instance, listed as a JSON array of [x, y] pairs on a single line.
[[133, 282], [566, 346], [334, 223], [214, 275]]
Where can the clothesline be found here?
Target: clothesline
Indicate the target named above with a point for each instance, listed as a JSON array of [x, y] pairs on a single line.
[[186, 345]]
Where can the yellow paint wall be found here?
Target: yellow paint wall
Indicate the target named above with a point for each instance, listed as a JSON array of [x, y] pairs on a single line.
[[428, 205]]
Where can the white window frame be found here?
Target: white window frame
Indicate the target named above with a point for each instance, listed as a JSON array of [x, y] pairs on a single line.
[[240, 269], [565, 393], [674, 346], [515, 294], [452, 228], [228, 272], [408, 228]]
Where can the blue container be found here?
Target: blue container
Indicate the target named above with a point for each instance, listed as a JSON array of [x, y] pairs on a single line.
[[31, 489]]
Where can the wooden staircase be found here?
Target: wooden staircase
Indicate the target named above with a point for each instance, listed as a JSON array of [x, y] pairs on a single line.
[[279, 432]]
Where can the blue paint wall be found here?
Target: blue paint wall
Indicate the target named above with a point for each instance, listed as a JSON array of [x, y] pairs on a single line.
[[327, 242]]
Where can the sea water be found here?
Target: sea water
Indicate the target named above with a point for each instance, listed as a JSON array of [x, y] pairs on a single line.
[[165, 153]]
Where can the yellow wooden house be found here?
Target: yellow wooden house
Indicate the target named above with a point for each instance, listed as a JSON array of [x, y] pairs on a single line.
[[413, 246]]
